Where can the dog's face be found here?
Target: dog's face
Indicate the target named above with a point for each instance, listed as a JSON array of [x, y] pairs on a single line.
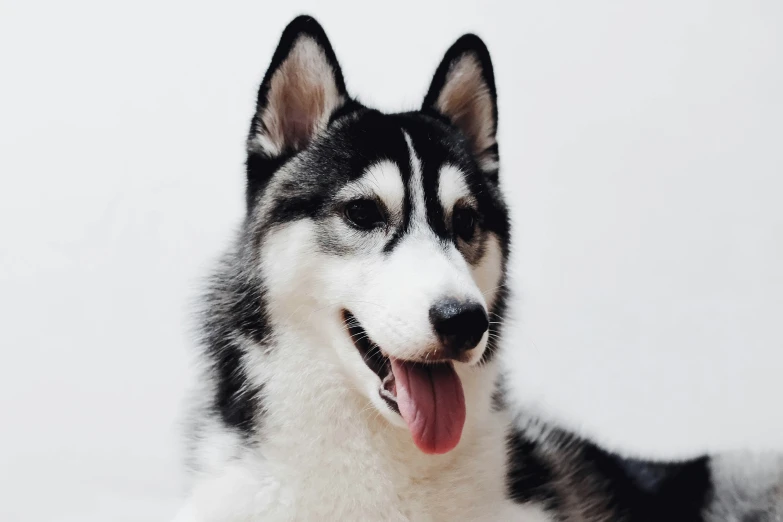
[[385, 234]]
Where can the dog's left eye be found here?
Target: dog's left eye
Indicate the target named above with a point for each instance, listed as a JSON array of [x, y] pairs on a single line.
[[464, 223], [364, 214]]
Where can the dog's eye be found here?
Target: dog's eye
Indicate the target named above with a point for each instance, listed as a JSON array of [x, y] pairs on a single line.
[[463, 222], [364, 214]]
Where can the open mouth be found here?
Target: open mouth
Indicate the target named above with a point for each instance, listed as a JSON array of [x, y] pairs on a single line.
[[428, 396], [374, 359]]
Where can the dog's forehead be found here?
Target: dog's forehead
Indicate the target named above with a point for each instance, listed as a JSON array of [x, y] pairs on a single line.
[[375, 136], [416, 149], [418, 166]]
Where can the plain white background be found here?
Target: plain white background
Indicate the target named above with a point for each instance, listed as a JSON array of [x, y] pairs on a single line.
[[641, 151]]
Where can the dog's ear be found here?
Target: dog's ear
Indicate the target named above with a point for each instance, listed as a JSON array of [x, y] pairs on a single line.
[[463, 91], [301, 90]]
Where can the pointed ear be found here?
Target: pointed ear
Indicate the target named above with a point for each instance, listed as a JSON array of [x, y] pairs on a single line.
[[301, 90], [463, 91]]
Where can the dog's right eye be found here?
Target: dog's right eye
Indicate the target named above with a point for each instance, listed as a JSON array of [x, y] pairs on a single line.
[[364, 214]]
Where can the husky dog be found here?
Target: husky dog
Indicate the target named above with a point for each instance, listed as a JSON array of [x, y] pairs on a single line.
[[350, 336]]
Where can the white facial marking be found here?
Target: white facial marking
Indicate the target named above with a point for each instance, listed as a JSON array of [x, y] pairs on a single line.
[[419, 210], [452, 187], [383, 180], [290, 266], [418, 273]]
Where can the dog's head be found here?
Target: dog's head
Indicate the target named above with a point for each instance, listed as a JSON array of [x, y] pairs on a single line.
[[384, 236]]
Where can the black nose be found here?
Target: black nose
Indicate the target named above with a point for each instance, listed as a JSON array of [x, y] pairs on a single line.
[[459, 325]]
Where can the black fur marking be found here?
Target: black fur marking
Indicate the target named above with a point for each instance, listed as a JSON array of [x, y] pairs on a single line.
[[349, 108], [651, 492], [259, 170], [497, 313], [529, 478], [235, 307], [398, 234], [429, 144], [237, 403], [634, 491]]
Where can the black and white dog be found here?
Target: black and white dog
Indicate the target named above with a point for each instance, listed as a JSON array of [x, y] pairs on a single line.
[[350, 336]]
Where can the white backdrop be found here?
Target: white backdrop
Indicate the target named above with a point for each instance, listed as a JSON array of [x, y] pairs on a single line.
[[641, 148]]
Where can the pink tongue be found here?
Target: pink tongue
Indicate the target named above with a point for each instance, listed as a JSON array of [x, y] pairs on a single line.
[[431, 401]]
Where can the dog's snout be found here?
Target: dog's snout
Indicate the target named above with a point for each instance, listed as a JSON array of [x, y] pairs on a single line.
[[459, 325]]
